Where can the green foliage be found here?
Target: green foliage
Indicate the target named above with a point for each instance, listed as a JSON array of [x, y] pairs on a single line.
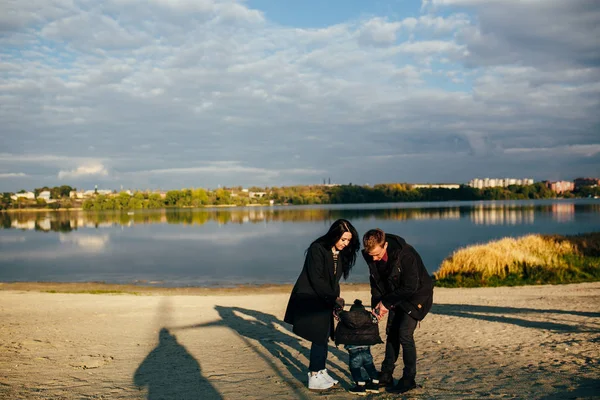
[[5, 201], [57, 192], [588, 191], [155, 201]]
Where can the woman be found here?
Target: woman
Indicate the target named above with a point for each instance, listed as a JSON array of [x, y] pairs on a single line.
[[313, 300]]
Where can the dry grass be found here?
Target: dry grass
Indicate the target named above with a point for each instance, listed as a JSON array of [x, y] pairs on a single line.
[[528, 259], [506, 256]]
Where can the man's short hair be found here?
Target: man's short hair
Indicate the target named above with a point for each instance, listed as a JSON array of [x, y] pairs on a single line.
[[373, 238]]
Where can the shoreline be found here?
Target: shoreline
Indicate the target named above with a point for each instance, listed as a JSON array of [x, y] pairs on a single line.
[[19, 210], [127, 288]]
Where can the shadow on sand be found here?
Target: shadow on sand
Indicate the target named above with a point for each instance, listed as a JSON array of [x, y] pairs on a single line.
[[277, 340], [170, 372], [586, 389], [501, 314]]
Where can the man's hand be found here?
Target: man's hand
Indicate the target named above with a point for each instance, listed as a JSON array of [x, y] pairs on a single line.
[[380, 311]]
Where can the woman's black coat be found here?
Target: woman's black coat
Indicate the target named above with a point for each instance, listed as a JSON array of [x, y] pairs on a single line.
[[310, 308]]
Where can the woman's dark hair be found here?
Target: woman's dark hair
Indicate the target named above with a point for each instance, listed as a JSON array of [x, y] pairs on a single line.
[[347, 257]]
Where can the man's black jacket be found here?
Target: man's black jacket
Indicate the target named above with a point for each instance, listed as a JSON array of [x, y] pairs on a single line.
[[402, 282]]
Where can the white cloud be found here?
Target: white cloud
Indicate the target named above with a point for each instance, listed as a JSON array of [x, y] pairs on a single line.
[[589, 150], [437, 47], [84, 170], [12, 175], [378, 31]]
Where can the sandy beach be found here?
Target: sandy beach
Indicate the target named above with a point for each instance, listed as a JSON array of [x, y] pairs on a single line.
[[534, 342]]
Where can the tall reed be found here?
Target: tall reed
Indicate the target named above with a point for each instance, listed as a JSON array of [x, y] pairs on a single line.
[[528, 259]]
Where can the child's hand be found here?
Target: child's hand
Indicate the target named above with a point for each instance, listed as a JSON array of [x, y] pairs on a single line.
[[335, 315]]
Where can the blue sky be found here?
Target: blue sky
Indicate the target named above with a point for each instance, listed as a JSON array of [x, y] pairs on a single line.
[[200, 93], [321, 14]]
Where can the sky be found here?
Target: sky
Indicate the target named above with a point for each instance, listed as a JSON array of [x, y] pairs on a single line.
[[171, 94]]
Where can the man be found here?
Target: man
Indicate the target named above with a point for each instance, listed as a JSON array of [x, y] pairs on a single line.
[[401, 286]]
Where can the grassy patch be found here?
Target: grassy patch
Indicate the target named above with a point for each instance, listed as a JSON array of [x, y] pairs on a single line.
[[528, 260]]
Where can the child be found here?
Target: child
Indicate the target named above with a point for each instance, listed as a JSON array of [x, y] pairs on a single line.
[[358, 330]]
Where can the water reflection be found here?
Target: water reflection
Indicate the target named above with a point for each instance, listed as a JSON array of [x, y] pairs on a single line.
[[563, 212], [479, 214], [502, 216], [91, 243]]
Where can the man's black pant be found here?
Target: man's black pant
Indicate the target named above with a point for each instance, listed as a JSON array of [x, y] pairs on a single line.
[[400, 333]]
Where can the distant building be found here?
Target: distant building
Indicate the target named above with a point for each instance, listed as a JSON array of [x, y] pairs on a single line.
[[436, 186], [499, 182], [45, 195], [253, 195], [26, 195], [92, 193], [581, 182], [561, 186], [76, 195]]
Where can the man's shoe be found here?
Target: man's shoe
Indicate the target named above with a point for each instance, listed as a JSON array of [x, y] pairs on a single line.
[[318, 381], [403, 386], [386, 379], [359, 390], [328, 377], [372, 386]]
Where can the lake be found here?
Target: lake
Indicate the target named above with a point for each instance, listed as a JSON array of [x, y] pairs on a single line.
[[253, 245]]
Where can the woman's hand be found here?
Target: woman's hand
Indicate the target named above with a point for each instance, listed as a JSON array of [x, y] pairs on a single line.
[[338, 306]]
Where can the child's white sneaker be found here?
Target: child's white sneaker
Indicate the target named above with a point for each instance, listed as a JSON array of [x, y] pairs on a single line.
[[318, 381], [328, 377]]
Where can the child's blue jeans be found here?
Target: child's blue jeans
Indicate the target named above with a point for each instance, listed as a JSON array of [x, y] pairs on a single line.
[[360, 357]]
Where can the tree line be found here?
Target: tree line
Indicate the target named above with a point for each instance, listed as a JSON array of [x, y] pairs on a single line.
[[292, 195]]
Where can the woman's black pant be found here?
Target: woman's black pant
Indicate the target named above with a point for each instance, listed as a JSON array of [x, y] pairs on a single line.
[[318, 357], [400, 334], [318, 353]]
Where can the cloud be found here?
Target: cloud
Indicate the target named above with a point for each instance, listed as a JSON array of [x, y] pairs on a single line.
[[379, 31], [204, 93], [576, 150], [12, 175], [84, 170], [87, 30], [545, 34]]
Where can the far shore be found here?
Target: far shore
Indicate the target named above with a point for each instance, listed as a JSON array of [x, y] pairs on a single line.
[[209, 206], [18, 210]]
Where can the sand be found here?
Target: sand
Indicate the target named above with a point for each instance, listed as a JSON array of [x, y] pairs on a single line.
[[531, 342]]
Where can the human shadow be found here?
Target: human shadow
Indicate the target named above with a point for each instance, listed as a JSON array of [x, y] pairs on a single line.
[[171, 372], [499, 314], [586, 389], [273, 336]]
